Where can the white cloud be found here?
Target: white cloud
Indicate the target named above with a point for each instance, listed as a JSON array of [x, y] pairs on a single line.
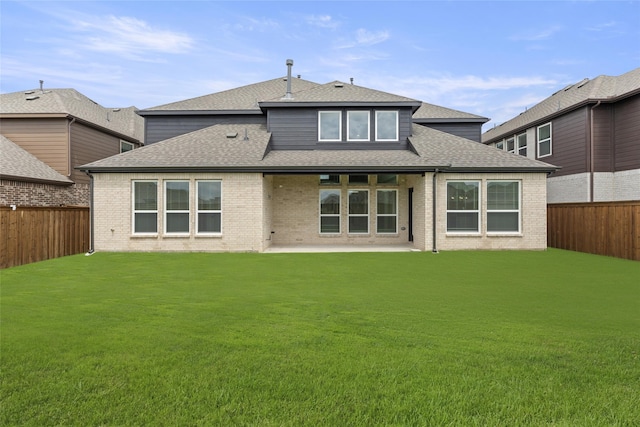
[[322, 21], [365, 38], [129, 37], [603, 27]]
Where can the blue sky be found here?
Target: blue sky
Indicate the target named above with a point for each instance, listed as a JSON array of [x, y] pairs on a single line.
[[493, 59]]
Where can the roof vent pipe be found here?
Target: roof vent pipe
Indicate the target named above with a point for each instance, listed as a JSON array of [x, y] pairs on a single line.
[[351, 78], [41, 86], [289, 65]]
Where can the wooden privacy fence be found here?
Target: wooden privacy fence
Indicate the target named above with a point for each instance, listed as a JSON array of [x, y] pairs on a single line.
[[31, 234], [602, 228]]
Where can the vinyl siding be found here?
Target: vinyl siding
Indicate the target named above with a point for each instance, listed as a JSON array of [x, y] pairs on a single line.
[[470, 131], [89, 145], [603, 138], [159, 128], [569, 143], [627, 134], [297, 129], [46, 139]]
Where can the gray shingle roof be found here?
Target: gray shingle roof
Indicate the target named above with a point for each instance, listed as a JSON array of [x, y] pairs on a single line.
[[124, 121], [20, 165], [339, 92], [241, 98], [430, 112], [602, 88], [211, 149]]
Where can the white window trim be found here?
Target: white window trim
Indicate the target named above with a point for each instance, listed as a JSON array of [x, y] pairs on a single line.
[[478, 211], [167, 211], [199, 211], [519, 210], [339, 214], [368, 125], [134, 211], [397, 124], [386, 215], [350, 215], [539, 141], [320, 113], [511, 140]]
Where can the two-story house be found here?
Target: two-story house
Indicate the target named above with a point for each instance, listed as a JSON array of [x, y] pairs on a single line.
[[289, 162], [591, 130], [62, 129]]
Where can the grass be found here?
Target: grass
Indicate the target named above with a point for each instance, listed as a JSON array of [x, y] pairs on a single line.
[[457, 338]]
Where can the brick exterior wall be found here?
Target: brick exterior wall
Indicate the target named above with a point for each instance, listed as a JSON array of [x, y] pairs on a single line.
[[616, 186], [533, 234], [42, 195], [297, 205], [260, 211], [242, 215]]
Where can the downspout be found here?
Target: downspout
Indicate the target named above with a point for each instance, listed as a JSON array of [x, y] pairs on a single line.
[[91, 234], [434, 193], [592, 162], [69, 146]]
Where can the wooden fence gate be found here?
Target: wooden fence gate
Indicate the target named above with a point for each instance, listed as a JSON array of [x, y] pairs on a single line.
[[602, 228], [31, 234]]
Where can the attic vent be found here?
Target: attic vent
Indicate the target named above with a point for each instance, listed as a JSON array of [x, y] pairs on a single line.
[[31, 98], [232, 134], [29, 92], [338, 85], [583, 82], [115, 110]]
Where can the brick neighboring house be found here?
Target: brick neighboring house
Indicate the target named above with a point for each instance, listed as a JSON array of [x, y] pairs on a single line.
[[289, 162], [63, 129], [591, 130]]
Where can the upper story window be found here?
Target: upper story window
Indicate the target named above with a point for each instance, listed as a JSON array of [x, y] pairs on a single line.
[[511, 145], [330, 126], [126, 146], [522, 144], [544, 140], [357, 126], [386, 125], [500, 145]]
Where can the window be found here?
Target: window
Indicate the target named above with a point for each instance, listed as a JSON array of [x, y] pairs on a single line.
[[357, 126], [359, 179], [359, 211], [522, 144], [544, 140], [500, 145], [126, 146], [329, 179], [176, 207], [209, 207], [463, 201], [511, 145], [330, 211], [330, 126], [145, 207], [386, 125], [387, 213], [503, 207], [385, 179]]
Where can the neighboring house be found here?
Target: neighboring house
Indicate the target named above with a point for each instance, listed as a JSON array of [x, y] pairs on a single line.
[[63, 129], [289, 162], [39, 184], [591, 130]]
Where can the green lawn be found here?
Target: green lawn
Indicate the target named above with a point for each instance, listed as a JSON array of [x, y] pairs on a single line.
[[456, 338]]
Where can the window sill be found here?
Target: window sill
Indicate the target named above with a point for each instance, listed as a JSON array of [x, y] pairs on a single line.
[[208, 236], [505, 234], [450, 234], [144, 236], [176, 236]]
